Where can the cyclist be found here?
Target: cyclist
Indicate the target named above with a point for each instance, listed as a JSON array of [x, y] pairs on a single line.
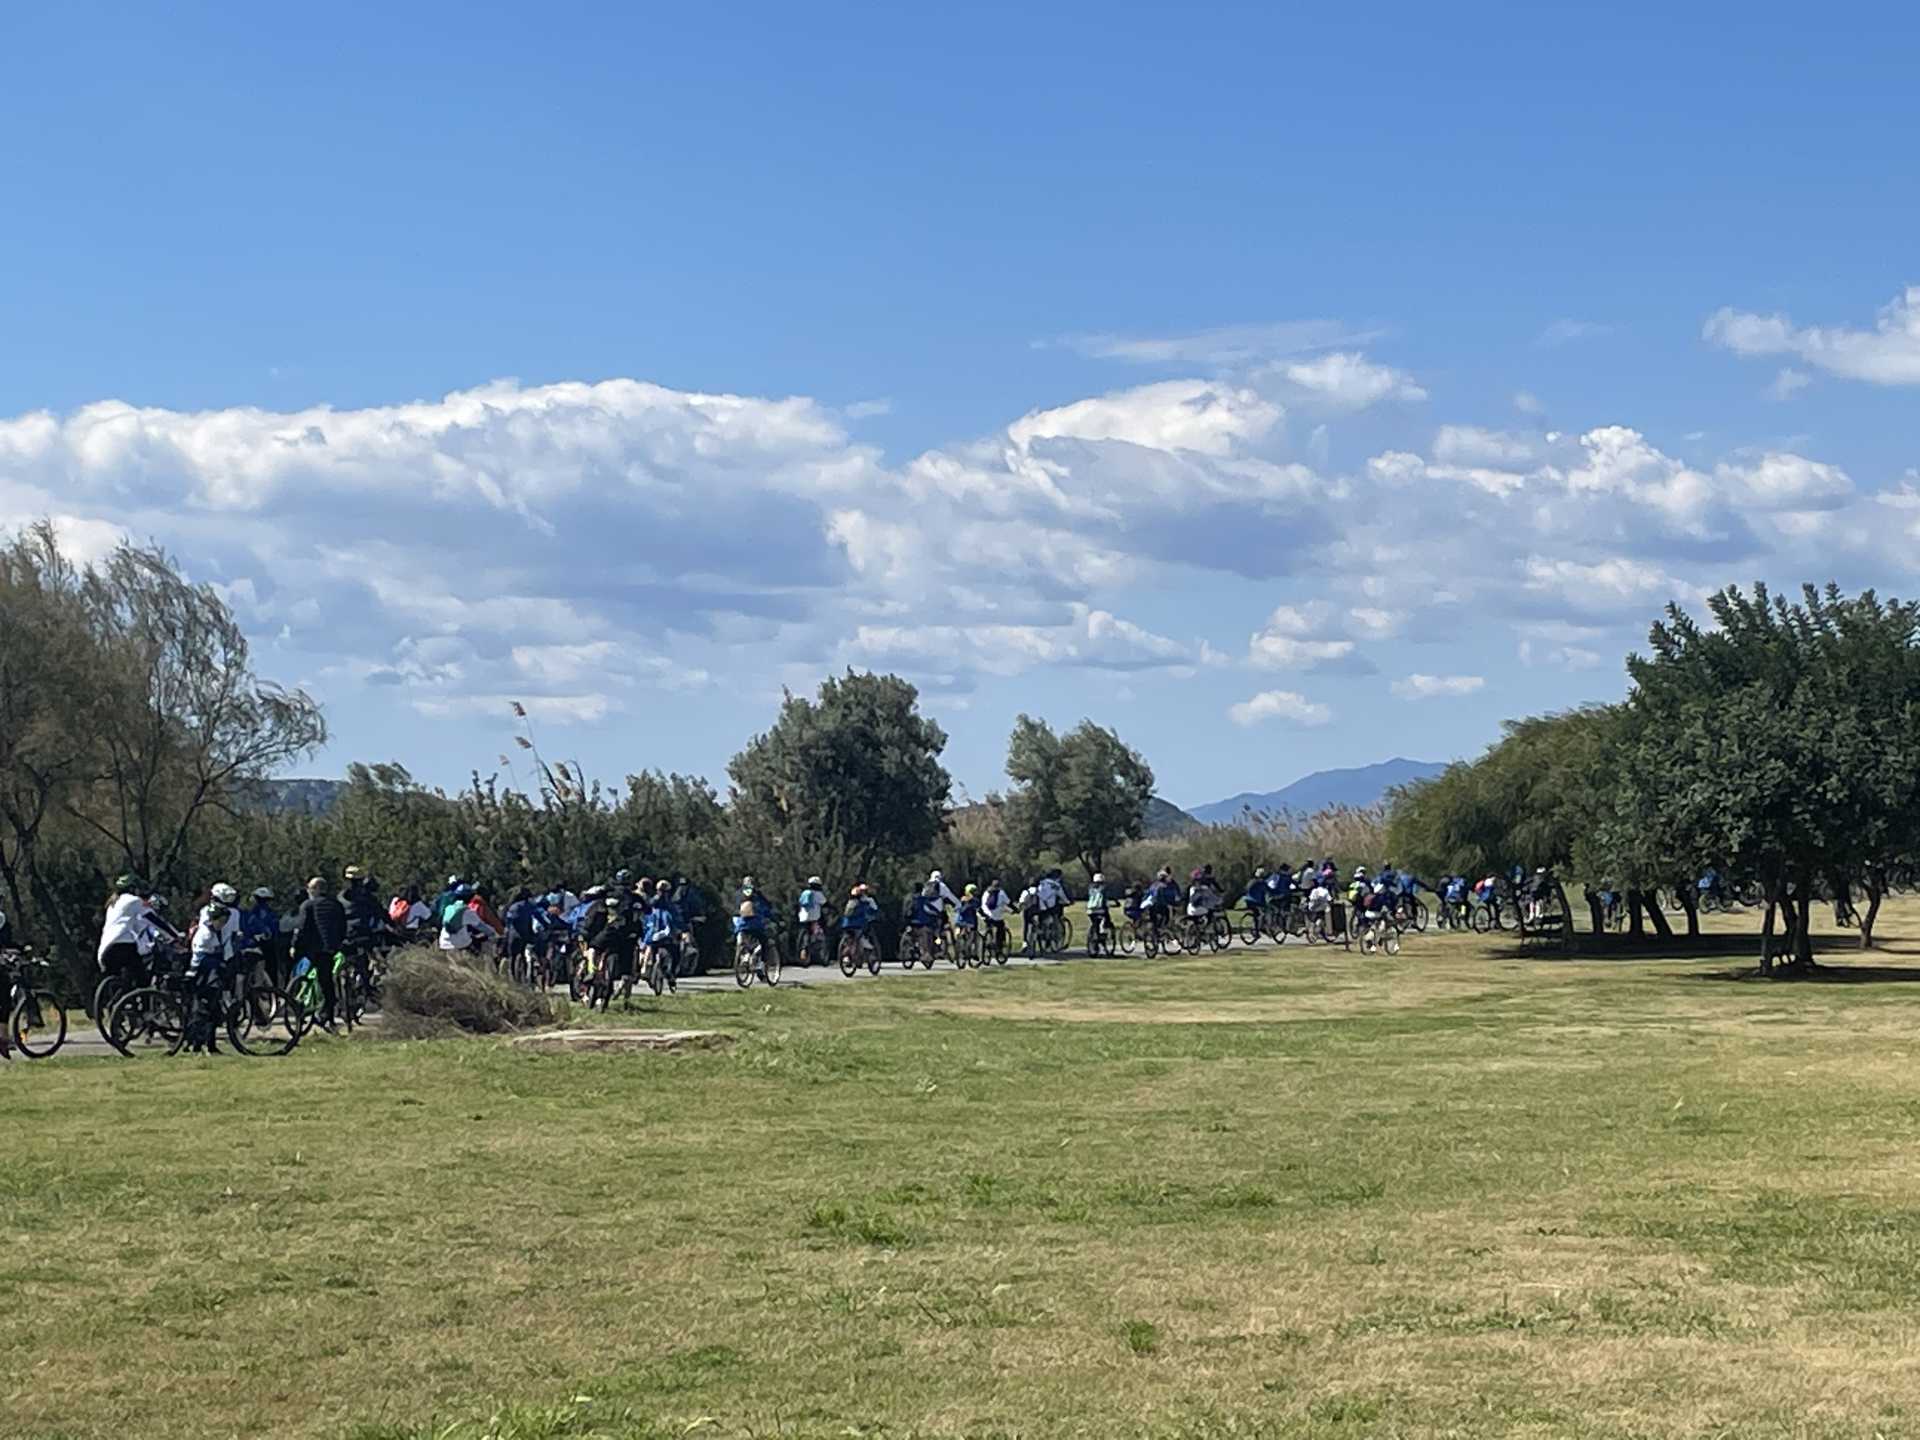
[[657, 934], [1320, 904], [811, 912], [1359, 889], [754, 913], [996, 907], [1161, 897], [948, 900], [856, 917], [926, 913], [1711, 887], [1540, 895], [1329, 872], [967, 917], [1098, 925], [1031, 906], [1258, 897], [1201, 896], [461, 927], [215, 933], [1053, 892], [1453, 901], [127, 934], [1280, 893], [523, 918], [319, 930]]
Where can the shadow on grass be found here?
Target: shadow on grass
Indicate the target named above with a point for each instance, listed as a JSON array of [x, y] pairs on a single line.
[[1821, 973]]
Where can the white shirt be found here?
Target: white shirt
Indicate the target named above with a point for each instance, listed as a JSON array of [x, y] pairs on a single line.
[[1200, 901], [127, 924], [1052, 894], [1029, 898], [947, 897], [212, 942], [993, 910], [812, 904], [1319, 899]]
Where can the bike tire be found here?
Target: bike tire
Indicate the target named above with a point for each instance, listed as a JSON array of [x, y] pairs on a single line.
[[1251, 930], [744, 957], [770, 958], [38, 1025], [849, 959], [1390, 942], [1418, 917], [1480, 920], [145, 1020], [264, 1023]]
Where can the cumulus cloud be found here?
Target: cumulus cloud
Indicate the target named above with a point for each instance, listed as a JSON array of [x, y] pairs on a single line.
[[1285, 705], [1224, 345], [1429, 687], [1888, 354], [1472, 445], [1346, 381]]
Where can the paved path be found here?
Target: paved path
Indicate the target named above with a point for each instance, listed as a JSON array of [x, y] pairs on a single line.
[[83, 1042]]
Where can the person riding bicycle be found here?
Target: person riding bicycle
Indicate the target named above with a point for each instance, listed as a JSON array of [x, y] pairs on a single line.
[[461, 927], [1053, 892], [1259, 896], [996, 907], [126, 936], [753, 916], [658, 935], [1711, 886], [1541, 895], [1329, 872], [522, 923], [967, 917], [1133, 902], [1360, 887], [946, 896], [1202, 898], [1320, 902], [811, 911], [1030, 905], [1453, 896], [1098, 922], [926, 914], [1161, 897]]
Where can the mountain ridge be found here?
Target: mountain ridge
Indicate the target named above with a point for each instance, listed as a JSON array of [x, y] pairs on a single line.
[[1357, 786]]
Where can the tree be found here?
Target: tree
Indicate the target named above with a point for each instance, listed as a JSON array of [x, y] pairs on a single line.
[[856, 773], [1783, 744], [1077, 794]]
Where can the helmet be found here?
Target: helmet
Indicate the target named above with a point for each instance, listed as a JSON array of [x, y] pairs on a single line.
[[975, 890], [620, 877], [225, 893], [934, 878], [1360, 872], [662, 887], [127, 883], [811, 880], [463, 891], [452, 880], [1097, 879], [354, 872], [1259, 872], [265, 892]]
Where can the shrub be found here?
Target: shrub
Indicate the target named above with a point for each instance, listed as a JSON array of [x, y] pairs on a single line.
[[432, 992]]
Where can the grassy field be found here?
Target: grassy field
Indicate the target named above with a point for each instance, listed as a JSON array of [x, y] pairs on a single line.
[[1292, 1193]]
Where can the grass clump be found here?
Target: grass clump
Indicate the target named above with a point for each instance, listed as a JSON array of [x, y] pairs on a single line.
[[434, 992]]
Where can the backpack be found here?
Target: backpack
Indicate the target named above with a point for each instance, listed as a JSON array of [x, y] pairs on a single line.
[[455, 918], [398, 911]]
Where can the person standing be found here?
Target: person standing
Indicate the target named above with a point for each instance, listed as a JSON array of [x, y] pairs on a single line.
[[319, 930]]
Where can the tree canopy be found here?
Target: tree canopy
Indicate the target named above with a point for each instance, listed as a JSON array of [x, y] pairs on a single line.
[[1078, 794]]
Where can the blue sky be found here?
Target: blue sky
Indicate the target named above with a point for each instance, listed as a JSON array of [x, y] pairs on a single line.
[[1286, 390]]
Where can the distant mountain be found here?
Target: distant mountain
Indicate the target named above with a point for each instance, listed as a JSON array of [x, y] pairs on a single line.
[[1163, 818], [296, 797], [1360, 787]]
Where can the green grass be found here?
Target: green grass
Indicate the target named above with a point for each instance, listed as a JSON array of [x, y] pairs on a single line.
[[1302, 1193]]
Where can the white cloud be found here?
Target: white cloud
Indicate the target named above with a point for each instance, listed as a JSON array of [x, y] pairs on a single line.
[[1347, 381], [1788, 383], [1527, 403], [1788, 482], [1285, 705], [1565, 332], [1197, 415], [1225, 345], [1429, 687], [1472, 445], [1888, 354]]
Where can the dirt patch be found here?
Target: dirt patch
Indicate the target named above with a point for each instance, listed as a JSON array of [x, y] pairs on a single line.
[[601, 1041]]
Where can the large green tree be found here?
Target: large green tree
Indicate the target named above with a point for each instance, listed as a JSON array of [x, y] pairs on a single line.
[[1077, 794], [845, 778]]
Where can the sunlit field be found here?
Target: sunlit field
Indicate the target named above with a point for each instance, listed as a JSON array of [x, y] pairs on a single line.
[[1281, 1192]]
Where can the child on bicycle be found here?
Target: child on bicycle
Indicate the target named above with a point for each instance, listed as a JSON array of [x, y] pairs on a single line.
[[1098, 925], [659, 935]]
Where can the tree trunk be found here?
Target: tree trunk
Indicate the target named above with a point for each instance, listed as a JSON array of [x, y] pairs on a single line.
[[1690, 902], [1803, 920], [1766, 936], [1636, 904], [1660, 925], [1876, 889], [1596, 915]]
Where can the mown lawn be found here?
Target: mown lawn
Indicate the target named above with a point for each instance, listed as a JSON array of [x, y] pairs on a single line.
[[1270, 1193]]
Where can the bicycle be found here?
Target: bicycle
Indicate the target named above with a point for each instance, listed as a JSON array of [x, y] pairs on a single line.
[[813, 945], [755, 959], [1257, 922], [857, 949], [36, 1023], [967, 948], [1411, 912], [1379, 931], [1100, 938], [993, 944]]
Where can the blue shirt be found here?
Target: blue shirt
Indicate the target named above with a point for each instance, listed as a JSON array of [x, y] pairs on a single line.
[[660, 924], [259, 923]]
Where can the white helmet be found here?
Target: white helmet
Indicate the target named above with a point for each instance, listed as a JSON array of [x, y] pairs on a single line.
[[265, 892], [225, 894], [1099, 879], [934, 878]]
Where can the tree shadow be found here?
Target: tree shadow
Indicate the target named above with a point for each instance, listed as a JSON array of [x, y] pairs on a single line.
[[1821, 973]]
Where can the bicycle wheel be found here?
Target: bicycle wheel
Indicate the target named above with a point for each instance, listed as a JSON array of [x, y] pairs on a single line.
[[350, 997], [771, 955], [1417, 917], [1222, 935], [1250, 928], [1390, 941], [1314, 931], [146, 1021], [1129, 937], [1481, 919], [38, 1025], [746, 956], [110, 989], [849, 957], [265, 1022]]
